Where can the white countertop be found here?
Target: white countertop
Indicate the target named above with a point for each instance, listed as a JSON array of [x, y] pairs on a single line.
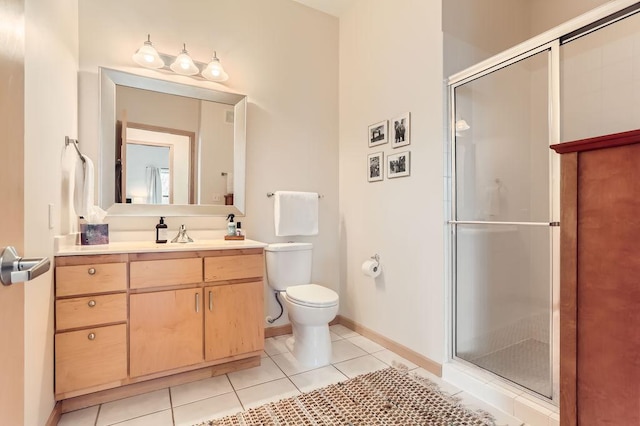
[[150, 246]]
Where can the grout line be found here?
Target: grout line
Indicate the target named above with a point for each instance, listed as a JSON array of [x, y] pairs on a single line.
[[95, 422], [173, 419]]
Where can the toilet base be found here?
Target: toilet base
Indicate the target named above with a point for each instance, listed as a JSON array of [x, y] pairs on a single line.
[[310, 345]]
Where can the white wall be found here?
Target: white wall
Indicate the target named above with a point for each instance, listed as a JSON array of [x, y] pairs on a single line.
[[281, 54], [391, 63], [51, 60]]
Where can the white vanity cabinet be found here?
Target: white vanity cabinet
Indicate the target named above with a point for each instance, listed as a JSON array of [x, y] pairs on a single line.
[[128, 318]]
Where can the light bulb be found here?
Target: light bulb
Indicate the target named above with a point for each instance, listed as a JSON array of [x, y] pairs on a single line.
[[184, 64], [214, 70], [147, 56]]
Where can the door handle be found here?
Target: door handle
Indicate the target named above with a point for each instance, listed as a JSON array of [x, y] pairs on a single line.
[[15, 269]]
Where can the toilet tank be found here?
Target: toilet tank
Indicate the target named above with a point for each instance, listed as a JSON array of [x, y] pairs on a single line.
[[288, 264]]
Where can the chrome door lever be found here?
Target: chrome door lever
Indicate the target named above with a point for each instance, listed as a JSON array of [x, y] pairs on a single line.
[[15, 269]]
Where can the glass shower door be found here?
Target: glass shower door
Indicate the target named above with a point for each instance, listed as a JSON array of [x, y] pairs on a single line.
[[502, 223]]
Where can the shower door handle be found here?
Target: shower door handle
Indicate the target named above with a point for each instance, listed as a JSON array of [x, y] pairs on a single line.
[[15, 269]]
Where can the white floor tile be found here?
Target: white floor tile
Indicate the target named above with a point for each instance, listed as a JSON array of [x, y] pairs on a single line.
[[289, 364], [365, 344], [135, 406], [202, 389], [554, 419], [318, 378], [343, 331], [343, 350], [274, 346], [442, 384], [264, 355], [334, 336], [531, 413], [393, 359], [162, 418], [267, 392], [501, 418], [206, 409], [265, 372], [84, 417], [356, 366]]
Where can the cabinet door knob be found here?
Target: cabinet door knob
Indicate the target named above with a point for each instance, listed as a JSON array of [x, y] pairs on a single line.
[[91, 336], [92, 271], [92, 303]]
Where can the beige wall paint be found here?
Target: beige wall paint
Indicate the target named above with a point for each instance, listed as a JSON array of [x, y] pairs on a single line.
[[283, 55], [391, 63], [51, 60]]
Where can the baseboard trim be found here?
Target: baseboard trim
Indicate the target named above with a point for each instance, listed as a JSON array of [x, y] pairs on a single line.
[[406, 353], [281, 330], [55, 415]]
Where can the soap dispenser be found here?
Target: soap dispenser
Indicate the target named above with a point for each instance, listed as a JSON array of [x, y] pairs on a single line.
[[231, 226], [161, 231]]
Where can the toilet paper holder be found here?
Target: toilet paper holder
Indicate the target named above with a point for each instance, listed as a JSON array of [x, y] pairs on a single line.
[[376, 258]]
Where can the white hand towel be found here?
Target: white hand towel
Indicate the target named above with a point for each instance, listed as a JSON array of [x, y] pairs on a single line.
[[295, 213], [83, 188]]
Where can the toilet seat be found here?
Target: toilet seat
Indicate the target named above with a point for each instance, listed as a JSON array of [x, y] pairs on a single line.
[[312, 295]]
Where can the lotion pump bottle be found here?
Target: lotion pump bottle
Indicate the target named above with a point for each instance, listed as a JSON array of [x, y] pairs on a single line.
[[231, 226], [161, 231]]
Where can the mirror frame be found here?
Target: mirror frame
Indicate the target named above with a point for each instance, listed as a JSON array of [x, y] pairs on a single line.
[[109, 79]]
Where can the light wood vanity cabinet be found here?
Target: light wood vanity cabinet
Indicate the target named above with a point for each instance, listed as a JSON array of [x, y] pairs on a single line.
[[91, 315], [126, 318]]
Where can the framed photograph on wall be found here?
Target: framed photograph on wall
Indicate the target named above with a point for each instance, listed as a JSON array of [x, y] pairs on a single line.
[[398, 165], [378, 133], [375, 166], [401, 130]]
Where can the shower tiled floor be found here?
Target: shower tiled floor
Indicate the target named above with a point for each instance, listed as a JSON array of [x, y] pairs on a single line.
[[526, 362], [279, 376]]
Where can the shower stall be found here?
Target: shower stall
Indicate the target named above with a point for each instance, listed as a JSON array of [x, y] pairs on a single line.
[[504, 211]]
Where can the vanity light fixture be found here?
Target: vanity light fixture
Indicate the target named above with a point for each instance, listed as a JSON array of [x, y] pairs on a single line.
[[147, 56], [214, 70], [183, 64], [461, 127]]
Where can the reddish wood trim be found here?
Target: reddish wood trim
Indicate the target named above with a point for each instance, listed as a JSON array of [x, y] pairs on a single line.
[[599, 142], [55, 415], [568, 289]]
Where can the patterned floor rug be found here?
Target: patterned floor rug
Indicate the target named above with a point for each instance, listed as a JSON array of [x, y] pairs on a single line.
[[391, 396]]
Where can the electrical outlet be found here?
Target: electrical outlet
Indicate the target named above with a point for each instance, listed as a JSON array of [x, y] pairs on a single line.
[[217, 197]]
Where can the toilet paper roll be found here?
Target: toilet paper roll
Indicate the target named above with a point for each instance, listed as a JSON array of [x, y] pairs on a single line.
[[371, 268]]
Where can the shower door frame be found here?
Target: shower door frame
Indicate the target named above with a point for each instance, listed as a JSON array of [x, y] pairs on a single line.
[[550, 40], [553, 102]]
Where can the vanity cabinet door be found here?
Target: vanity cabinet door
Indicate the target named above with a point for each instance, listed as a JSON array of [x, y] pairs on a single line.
[[165, 330], [233, 319]]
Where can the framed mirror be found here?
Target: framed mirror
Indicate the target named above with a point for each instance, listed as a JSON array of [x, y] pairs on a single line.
[[170, 149]]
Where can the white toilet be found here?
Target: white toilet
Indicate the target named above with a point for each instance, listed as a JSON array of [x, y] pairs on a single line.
[[310, 306]]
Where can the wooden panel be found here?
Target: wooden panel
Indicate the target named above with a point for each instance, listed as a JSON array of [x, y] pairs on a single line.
[[156, 273], [568, 287], [82, 363], [12, 172], [78, 280], [91, 259], [221, 268], [608, 364], [234, 316], [90, 311], [132, 389], [607, 141], [165, 330]]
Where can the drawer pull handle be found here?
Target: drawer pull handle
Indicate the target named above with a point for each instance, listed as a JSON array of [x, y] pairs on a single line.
[[91, 303], [91, 336], [92, 271], [210, 301], [197, 302]]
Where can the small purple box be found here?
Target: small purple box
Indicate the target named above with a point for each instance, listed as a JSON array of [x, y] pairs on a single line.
[[94, 234]]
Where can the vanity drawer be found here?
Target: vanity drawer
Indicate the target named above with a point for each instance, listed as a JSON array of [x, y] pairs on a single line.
[[90, 357], [222, 268], [157, 273], [90, 311], [91, 278]]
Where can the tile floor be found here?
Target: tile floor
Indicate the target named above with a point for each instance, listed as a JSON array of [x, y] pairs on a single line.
[[279, 376]]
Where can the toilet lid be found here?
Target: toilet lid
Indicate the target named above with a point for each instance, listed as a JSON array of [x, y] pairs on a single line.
[[312, 295]]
